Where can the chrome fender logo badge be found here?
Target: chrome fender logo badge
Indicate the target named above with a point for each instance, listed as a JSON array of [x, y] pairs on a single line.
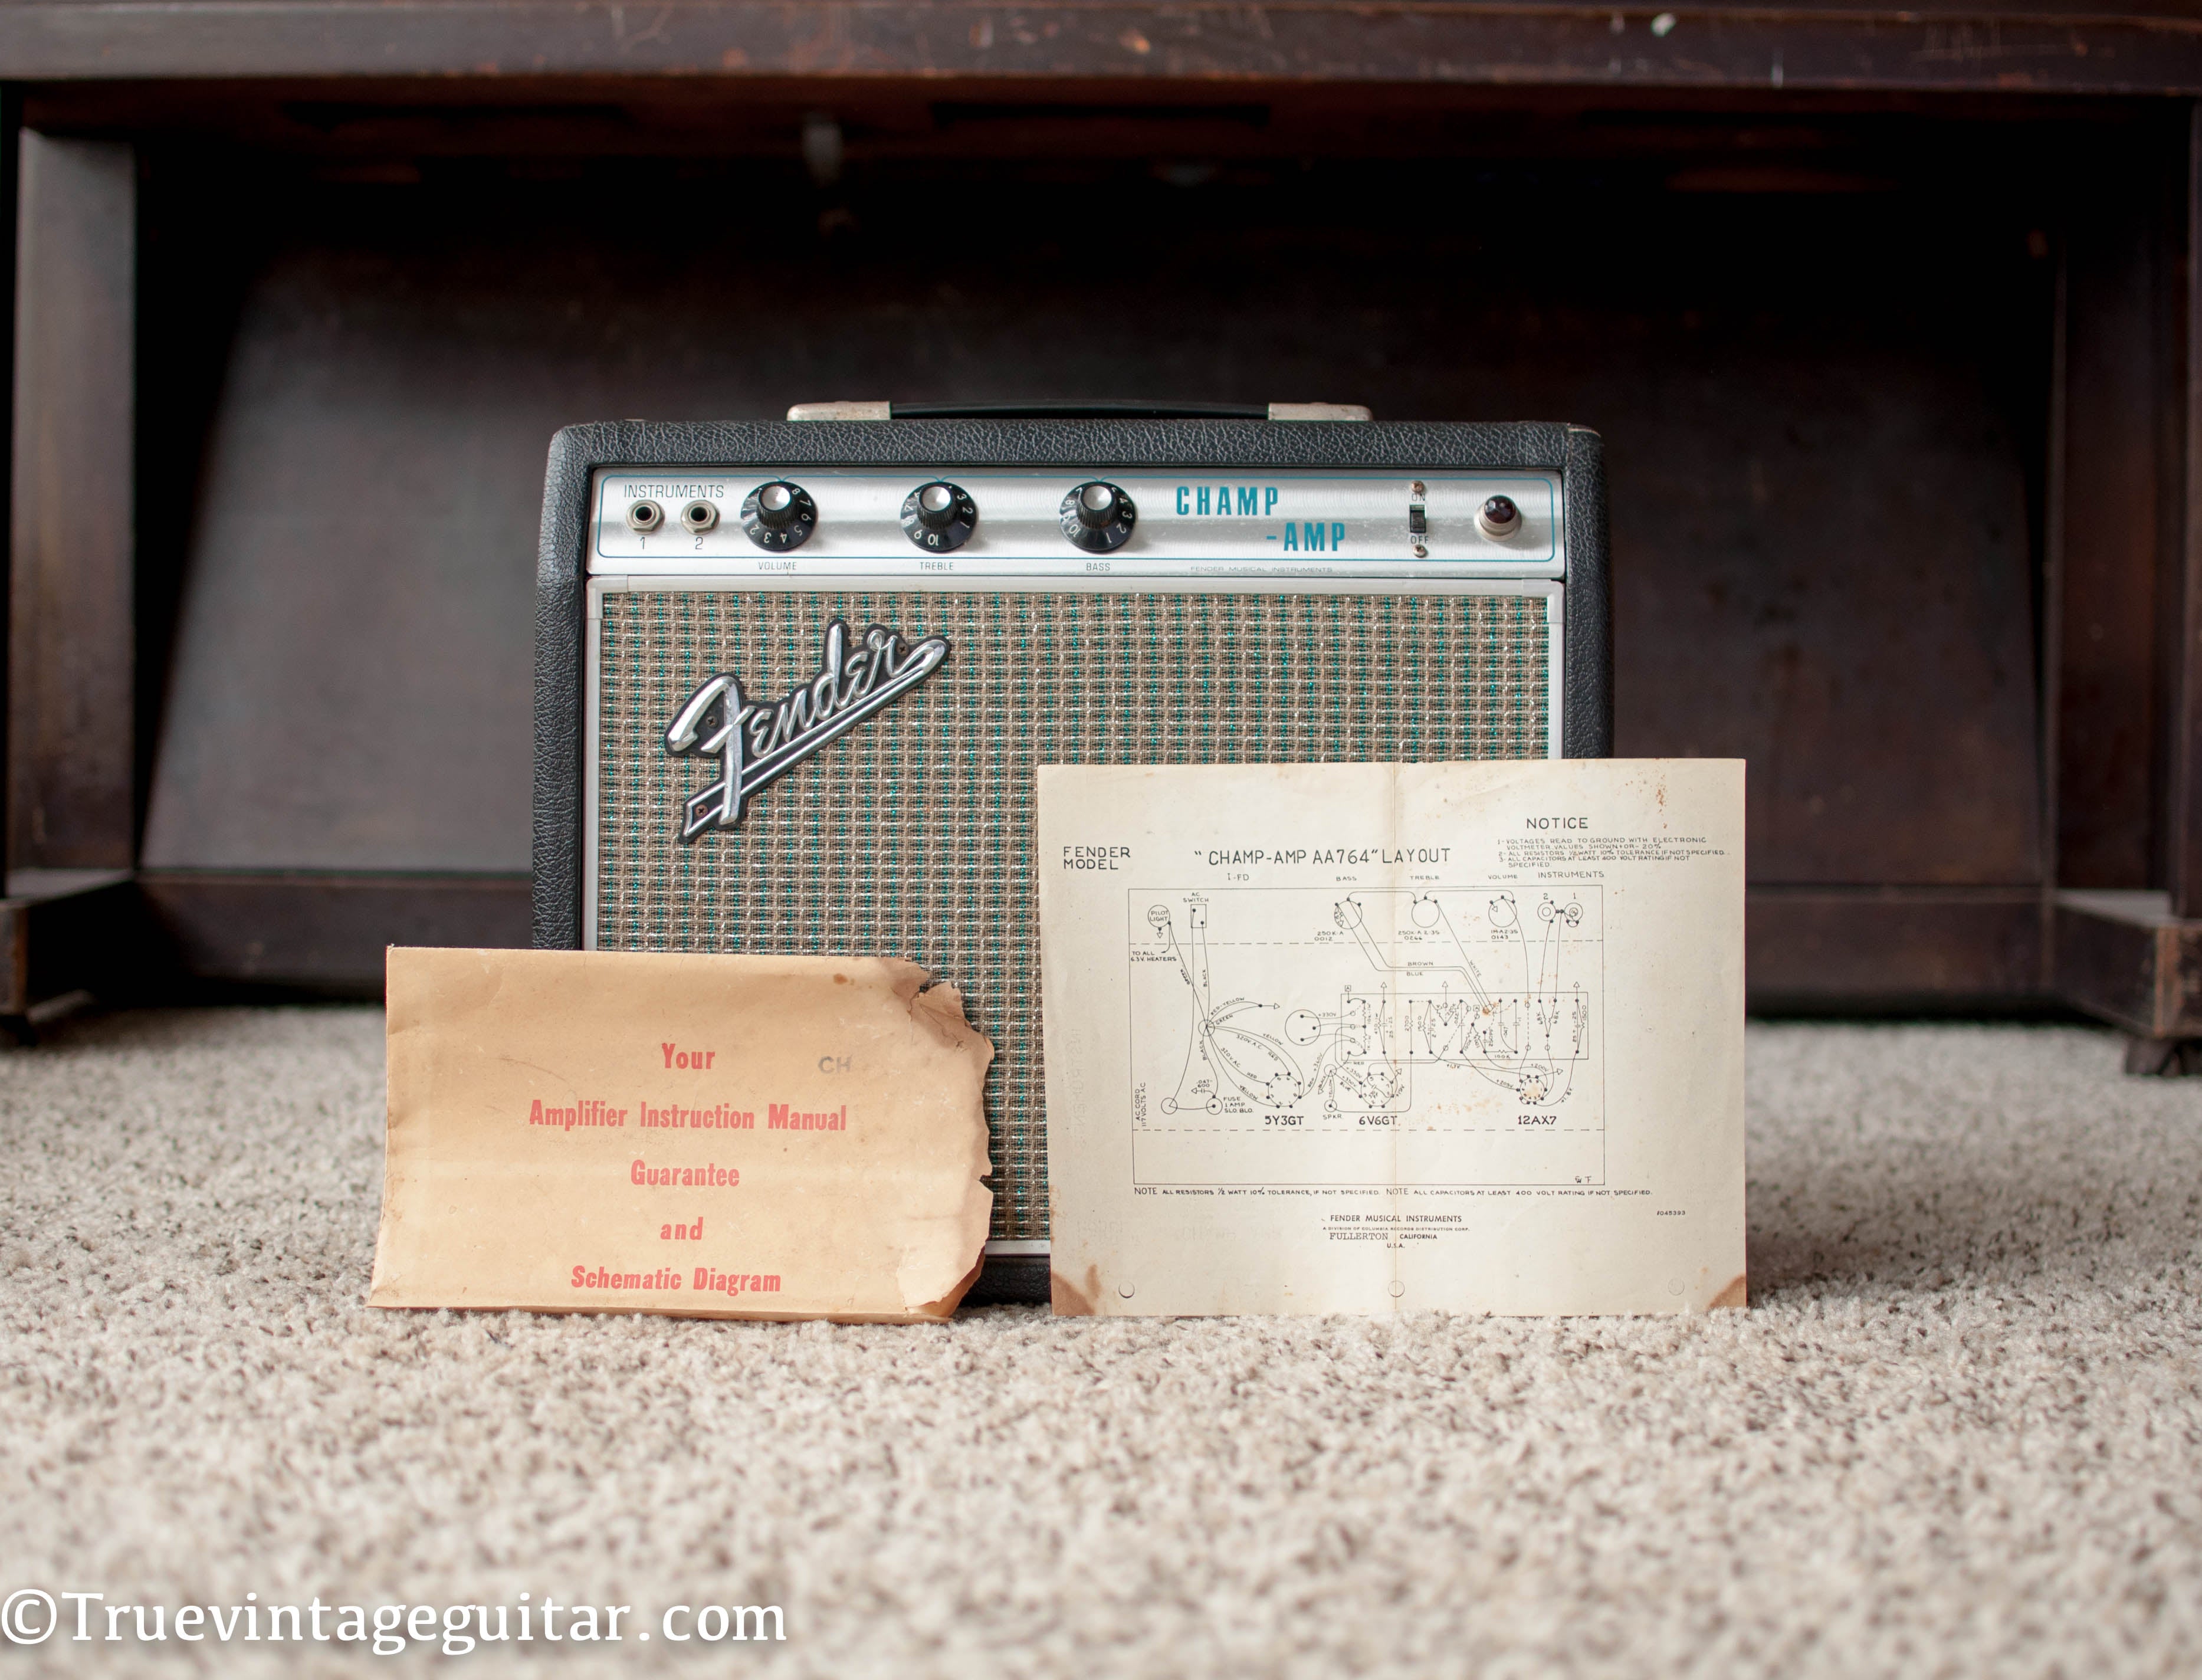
[[757, 744]]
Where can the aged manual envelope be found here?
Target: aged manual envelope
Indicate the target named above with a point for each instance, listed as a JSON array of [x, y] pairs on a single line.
[[1377, 1037], [719, 1136]]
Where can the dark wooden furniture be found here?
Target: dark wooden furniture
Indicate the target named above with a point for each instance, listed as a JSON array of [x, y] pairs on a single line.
[[1884, 315]]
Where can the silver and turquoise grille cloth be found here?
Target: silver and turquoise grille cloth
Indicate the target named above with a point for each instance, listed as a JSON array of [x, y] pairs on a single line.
[[911, 836]]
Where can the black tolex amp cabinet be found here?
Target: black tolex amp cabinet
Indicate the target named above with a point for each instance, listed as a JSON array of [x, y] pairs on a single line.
[[792, 678]]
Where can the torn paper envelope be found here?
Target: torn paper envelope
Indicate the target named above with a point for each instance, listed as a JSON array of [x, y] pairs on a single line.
[[1377, 1037], [717, 1136]]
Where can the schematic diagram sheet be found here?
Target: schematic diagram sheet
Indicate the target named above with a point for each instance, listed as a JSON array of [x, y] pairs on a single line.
[[1385, 1038]]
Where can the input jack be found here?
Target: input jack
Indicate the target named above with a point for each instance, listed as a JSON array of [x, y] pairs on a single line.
[[700, 516], [645, 516]]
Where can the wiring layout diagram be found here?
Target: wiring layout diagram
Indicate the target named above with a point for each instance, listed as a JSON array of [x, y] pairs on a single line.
[[1460, 1022]]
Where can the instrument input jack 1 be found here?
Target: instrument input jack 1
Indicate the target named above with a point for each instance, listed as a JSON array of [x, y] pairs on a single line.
[[700, 516], [645, 516]]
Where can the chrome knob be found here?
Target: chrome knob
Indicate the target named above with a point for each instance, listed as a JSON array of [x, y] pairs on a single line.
[[779, 516], [1098, 516], [939, 516]]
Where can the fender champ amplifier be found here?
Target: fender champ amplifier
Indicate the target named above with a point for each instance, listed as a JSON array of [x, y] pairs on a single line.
[[792, 678]]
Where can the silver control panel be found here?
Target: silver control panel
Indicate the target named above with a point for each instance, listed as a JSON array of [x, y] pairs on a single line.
[[961, 525]]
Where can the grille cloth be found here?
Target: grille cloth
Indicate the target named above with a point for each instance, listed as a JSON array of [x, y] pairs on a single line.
[[912, 835]]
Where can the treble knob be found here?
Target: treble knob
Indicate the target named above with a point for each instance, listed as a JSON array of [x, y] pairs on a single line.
[[779, 516], [1098, 516], [939, 516]]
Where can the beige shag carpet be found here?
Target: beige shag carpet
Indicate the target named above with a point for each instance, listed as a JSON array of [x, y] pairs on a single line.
[[1958, 1433]]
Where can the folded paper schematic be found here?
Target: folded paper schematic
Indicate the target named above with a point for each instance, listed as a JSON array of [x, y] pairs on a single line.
[[1381, 1038]]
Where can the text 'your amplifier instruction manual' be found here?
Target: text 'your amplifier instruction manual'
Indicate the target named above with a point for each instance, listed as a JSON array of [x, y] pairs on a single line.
[[1378, 1038]]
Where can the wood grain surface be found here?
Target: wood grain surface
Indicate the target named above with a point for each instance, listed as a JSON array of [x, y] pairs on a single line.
[[1940, 48]]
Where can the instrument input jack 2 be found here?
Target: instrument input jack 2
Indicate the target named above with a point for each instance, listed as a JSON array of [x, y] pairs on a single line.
[[645, 516], [700, 516]]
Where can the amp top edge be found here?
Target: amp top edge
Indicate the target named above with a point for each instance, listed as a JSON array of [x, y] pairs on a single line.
[[1294, 413], [1514, 445]]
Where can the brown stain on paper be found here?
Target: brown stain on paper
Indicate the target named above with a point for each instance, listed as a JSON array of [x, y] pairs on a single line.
[[1736, 1296], [1067, 1300]]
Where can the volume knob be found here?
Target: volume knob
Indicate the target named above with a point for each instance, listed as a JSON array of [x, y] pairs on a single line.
[[1098, 516], [779, 516], [939, 516]]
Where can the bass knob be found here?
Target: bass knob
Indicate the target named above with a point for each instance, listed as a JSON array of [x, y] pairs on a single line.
[[779, 516], [1098, 516], [939, 516]]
